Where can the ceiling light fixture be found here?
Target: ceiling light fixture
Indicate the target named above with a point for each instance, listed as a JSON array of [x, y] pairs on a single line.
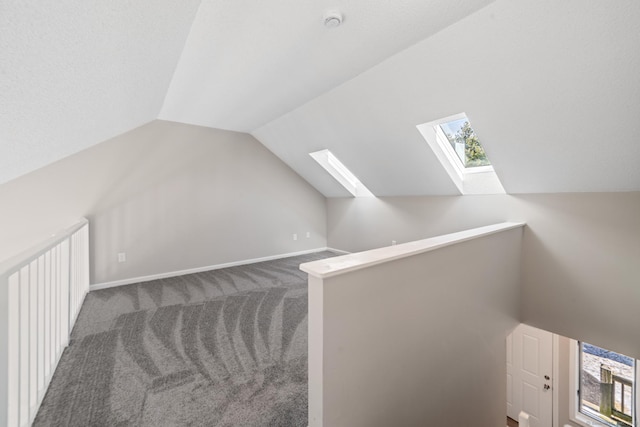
[[332, 19]]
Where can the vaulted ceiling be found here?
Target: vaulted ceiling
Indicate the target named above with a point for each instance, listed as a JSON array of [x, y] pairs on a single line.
[[75, 73], [551, 88]]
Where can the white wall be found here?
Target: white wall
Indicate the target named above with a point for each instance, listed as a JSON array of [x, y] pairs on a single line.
[[580, 252], [417, 341], [172, 196]]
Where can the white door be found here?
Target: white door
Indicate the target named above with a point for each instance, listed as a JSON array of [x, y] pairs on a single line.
[[529, 369]]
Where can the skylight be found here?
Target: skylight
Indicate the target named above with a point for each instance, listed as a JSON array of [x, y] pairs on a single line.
[[339, 171], [465, 143], [458, 149]]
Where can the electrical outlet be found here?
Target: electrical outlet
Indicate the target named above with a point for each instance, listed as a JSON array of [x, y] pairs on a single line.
[[295, 237], [122, 257], [308, 234], [393, 242]]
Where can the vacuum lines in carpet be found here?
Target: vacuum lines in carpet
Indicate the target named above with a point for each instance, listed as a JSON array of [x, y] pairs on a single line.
[[224, 348]]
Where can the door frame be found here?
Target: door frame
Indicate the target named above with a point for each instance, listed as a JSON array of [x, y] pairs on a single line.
[[555, 369]]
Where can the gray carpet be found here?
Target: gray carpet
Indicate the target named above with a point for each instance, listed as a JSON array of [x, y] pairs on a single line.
[[224, 347]]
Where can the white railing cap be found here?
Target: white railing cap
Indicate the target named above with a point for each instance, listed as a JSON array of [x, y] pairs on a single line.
[[346, 263], [11, 264]]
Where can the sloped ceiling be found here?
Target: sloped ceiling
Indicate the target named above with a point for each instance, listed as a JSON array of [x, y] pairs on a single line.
[[551, 88], [247, 62], [74, 73]]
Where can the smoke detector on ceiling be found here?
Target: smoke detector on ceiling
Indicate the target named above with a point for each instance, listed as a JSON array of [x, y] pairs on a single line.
[[332, 19]]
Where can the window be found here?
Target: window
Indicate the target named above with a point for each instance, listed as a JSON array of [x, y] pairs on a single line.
[[339, 171], [605, 387], [465, 143], [458, 149]]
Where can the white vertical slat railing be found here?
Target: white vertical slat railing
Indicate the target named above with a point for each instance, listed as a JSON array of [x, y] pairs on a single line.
[[41, 293]]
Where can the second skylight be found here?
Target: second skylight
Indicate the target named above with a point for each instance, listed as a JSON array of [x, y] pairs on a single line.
[[341, 173]]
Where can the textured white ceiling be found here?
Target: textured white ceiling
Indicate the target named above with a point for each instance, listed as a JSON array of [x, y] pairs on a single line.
[[552, 89], [77, 72], [247, 62]]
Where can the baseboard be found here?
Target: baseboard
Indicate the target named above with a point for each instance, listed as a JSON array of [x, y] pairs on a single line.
[[337, 251], [141, 279]]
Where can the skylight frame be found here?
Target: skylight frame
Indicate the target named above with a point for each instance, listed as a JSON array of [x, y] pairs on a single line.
[[468, 180], [449, 152], [341, 173], [453, 156]]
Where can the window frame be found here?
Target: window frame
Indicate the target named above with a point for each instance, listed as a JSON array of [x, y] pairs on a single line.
[[451, 153], [454, 158], [574, 391], [468, 180]]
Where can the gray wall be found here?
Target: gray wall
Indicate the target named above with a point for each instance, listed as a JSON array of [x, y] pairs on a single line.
[[581, 269], [580, 266], [360, 224], [416, 341], [172, 196]]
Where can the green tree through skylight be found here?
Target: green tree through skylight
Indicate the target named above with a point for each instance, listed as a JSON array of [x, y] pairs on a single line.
[[463, 135]]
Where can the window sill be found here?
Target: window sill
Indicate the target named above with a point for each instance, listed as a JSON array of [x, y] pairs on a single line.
[[585, 421]]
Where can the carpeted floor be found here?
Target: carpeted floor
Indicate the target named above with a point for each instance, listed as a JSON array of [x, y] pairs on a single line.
[[225, 348]]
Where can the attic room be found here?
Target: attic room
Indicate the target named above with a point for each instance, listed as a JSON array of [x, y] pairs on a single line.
[[182, 134]]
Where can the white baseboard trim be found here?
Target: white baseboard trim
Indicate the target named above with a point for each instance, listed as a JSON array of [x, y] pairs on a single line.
[[338, 251], [141, 279]]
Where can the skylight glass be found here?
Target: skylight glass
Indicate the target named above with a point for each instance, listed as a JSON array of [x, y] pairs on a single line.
[[465, 143], [460, 153]]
